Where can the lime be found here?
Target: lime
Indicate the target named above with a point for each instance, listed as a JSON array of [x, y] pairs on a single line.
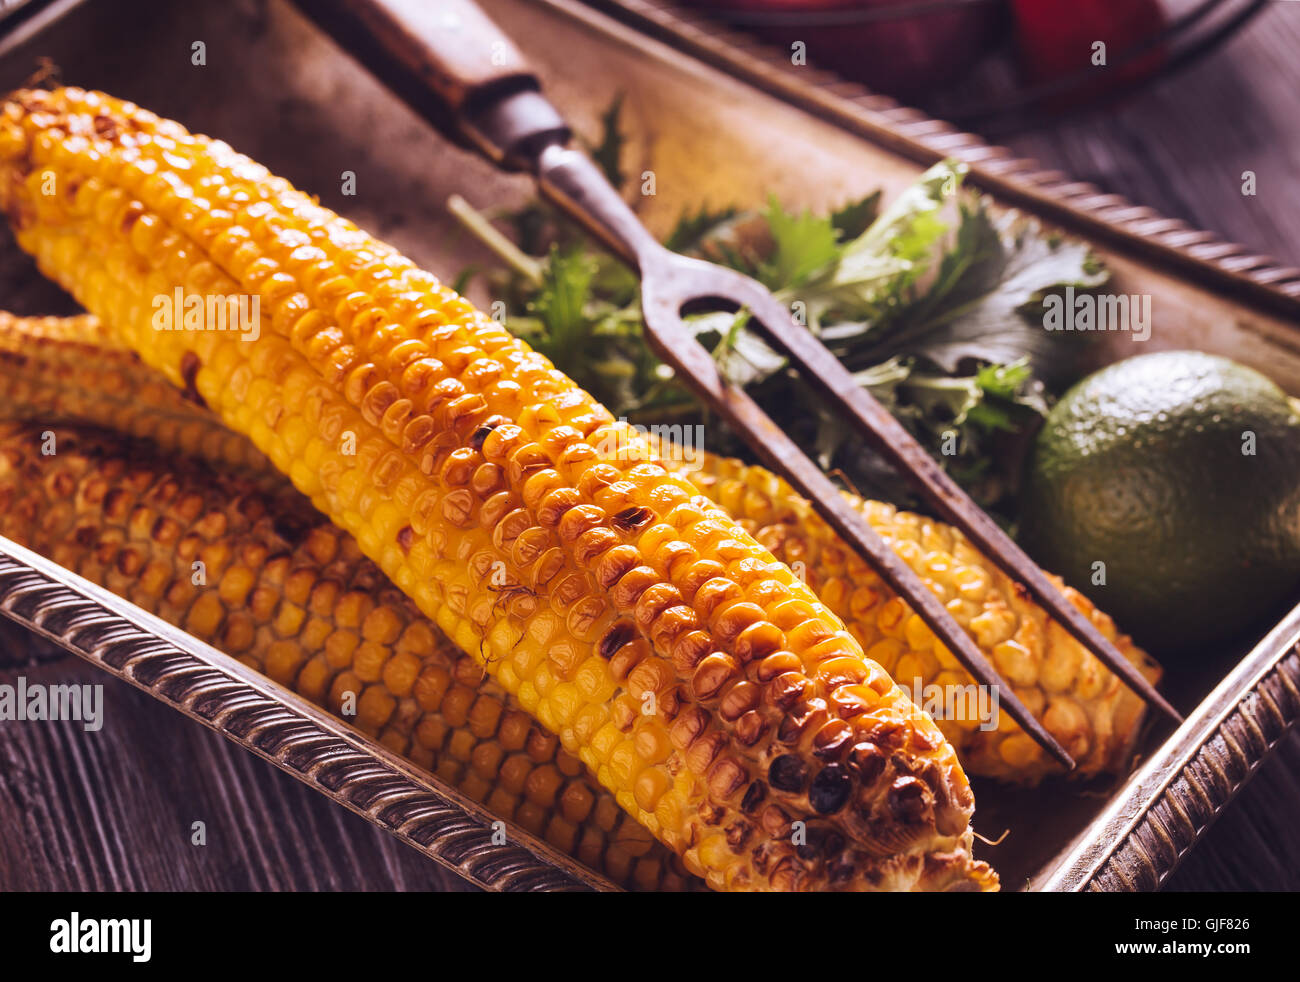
[[1167, 488]]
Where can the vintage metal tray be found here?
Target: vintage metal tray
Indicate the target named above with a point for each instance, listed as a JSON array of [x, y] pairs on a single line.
[[718, 120]]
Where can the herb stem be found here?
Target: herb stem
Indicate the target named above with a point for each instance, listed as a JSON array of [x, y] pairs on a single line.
[[509, 253]]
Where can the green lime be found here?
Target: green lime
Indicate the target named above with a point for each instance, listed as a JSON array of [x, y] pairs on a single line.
[[1167, 488]]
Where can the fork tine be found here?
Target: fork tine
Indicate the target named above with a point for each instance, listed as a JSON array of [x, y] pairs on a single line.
[[782, 454], [901, 449]]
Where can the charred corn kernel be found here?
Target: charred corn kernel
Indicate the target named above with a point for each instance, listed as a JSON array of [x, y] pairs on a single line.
[[327, 327], [413, 704]]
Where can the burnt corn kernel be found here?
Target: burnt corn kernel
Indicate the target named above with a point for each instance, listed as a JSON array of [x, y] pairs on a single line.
[[631, 519], [1100, 717], [813, 844], [867, 761], [788, 773], [754, 796], [909, 799], [832, 740], [481, 434], [830, 789], [367, 384]]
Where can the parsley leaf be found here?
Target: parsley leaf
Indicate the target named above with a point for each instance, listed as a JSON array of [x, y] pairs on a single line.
[[693, 226], [982, 304], [561, 303], [855, 217], [802, 244]]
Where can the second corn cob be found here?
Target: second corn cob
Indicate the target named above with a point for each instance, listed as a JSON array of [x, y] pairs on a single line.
[[703, 683], [1080, 701]]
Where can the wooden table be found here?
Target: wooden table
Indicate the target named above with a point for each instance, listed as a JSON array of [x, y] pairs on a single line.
[[114, 809]]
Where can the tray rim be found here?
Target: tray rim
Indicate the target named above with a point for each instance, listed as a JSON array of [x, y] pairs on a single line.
[[1154, 820]]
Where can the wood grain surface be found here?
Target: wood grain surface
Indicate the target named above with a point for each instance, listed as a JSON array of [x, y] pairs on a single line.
[[113, 809]]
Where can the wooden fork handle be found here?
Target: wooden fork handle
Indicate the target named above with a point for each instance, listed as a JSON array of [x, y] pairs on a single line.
[[450, 44], [451, 64]]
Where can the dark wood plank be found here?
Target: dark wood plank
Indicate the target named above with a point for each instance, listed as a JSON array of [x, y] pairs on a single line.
[[1254, 844], [1182, 145]]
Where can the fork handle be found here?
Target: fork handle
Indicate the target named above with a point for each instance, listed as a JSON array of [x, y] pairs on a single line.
[[454, 66], [451, 64]]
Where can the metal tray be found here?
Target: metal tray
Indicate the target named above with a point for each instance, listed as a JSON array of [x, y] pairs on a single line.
[[718, 120]]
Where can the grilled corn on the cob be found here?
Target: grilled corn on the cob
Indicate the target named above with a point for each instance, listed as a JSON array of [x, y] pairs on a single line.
[[1081, 702], [707, 687], [291, 596]]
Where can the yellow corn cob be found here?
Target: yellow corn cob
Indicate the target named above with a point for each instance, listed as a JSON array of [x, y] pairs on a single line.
[[291, 596], [1081, 702], [705, 685], [54, 368]]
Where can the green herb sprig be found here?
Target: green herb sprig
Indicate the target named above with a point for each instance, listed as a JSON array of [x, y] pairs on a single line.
[[933, 302]]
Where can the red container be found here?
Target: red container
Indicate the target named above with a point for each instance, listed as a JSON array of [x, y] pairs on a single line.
[[903, 54], [1057, 39]]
